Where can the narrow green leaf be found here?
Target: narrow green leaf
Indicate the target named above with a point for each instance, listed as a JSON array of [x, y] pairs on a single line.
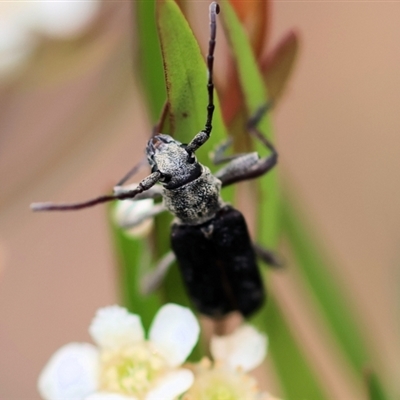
[[186, 82], [134, 256], [184, 69], [251, 80], [296, 377], [255, 96], [186, 79], [315, 269], [151, 73], [374, 386], [133, 259]]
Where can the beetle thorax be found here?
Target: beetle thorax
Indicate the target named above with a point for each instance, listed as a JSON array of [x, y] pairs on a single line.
[[190, 192], [197, 201]]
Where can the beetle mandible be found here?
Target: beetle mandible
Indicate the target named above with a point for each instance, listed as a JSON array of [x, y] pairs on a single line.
[[209, 237]]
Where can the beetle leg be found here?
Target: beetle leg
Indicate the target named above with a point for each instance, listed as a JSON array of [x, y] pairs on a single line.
[[268, 256], [132, 172], [218, 157], [243, 169], [152, 280], [250, 166], [237, 168], [155, 192]]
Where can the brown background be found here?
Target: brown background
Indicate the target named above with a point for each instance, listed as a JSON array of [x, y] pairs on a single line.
[[72, 124]]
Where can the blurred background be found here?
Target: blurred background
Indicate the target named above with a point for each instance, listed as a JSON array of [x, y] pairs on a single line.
[[72, 122]]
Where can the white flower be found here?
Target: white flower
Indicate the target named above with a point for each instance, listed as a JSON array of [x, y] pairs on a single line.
[[23, 22], [131, 215], [245, 348], [125, 366], [233, 355]]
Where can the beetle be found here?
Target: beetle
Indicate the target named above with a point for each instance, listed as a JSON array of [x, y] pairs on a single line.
[[209, 238]]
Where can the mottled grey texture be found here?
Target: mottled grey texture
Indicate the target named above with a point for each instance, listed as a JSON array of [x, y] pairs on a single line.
[[197, 201], [171, 158], [190, 191], [238, 165]]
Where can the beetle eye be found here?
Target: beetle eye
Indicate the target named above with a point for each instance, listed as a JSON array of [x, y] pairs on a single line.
[[191, 158], [154, 168], [166, 178]]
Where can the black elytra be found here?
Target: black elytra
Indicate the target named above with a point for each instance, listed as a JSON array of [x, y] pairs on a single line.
[[218, 264]]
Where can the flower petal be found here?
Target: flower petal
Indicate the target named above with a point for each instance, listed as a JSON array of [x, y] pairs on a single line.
[[63, 19], [245, 348], [175, 332], [16, 45], [71, 373], [109, 396], [130, 213], [114, 327], [171, 385]]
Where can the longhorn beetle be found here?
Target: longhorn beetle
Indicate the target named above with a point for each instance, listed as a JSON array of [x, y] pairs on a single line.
[[209, 238]]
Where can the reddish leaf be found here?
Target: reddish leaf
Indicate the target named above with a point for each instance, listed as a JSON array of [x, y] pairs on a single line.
[[254, 16], [278, 65]]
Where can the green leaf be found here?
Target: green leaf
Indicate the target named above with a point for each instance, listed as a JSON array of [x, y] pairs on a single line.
[[255, 96], [149, 61], [186, 82], [186, 79], [133, 259], [134, 255], [184, 69], [374, 386], [316, 271], [296, 377]]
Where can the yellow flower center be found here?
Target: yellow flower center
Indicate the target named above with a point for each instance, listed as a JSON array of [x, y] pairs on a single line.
[[215, 382], [220, 391], [130, 370]]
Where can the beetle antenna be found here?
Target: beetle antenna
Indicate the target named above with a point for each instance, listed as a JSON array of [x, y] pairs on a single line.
[[204, 135], [214, 10], [144, 185], [132, 172]]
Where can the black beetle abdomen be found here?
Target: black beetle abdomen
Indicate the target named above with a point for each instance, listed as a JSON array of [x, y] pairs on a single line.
[[218, 264]]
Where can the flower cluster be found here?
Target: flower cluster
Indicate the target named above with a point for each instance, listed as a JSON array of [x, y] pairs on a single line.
[[23, 23], [126, 366], [226, 377]]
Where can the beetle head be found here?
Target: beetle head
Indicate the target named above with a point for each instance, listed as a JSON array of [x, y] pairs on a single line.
[[170, 157]]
